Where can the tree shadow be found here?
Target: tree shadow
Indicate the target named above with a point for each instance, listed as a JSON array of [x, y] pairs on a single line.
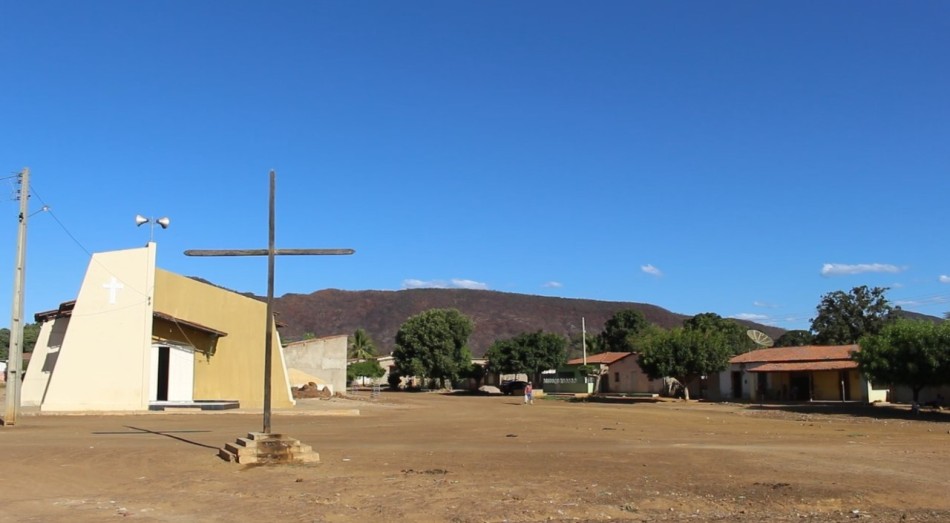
[[876, 411]]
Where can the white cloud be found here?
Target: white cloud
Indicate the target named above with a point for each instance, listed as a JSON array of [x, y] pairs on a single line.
[[553, 285], [764, 304], [944, 278], [420, 284], [468, 284], [933, 300], [651, 270], [455, 283], [841, 269], [751, 316]]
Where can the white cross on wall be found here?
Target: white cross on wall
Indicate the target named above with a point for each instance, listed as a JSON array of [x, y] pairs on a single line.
[[113, 286]]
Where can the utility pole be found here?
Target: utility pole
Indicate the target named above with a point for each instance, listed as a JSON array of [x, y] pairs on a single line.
[[584, 339], [15, 357]]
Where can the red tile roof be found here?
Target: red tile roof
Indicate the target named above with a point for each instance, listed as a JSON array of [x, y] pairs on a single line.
[[798, 354], [606, 358], [802, 366]]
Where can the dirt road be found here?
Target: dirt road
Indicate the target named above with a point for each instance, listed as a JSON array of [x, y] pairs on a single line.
[[432, 457]]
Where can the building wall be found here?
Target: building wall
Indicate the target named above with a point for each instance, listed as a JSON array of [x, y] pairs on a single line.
[[724, 391], [45, 354], [825, 386], [236, 369], [875, 392], [904, 394], [323, 358], [632, 377], [387, 363], [103, 362], [568, 379]]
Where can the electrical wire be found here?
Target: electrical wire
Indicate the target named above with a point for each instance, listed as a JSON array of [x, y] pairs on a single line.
[[75, 240], [49, 209]]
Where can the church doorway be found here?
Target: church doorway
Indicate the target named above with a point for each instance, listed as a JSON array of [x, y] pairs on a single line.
[[173, 373]]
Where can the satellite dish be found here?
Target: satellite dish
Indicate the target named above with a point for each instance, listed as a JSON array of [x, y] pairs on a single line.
[[760, 338]]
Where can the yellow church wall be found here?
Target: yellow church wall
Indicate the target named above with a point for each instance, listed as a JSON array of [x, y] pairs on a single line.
[[236, 369]]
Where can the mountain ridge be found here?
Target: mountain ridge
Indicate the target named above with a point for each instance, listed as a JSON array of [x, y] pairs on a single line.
[[496, 314]]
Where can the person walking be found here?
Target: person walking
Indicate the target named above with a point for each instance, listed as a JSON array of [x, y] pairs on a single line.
[[528, 394]]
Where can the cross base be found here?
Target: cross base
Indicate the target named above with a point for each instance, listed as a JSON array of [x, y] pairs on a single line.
[[268, 449]]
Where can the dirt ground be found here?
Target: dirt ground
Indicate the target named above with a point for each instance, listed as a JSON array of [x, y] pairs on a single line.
[[461, 458]]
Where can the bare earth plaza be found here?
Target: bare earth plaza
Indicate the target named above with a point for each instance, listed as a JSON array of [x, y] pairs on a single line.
[[529, 261], [466, 458]]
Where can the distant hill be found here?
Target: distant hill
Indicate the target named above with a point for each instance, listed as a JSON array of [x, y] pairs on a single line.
[[919, 317], [496, 315]]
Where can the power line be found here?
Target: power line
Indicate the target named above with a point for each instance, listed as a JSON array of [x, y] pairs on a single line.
[[75, 240], [59, 222]]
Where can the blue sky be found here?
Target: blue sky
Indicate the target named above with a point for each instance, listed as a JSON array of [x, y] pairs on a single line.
[[735, 157]]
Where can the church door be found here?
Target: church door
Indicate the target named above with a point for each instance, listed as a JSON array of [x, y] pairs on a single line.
[[173, 373]]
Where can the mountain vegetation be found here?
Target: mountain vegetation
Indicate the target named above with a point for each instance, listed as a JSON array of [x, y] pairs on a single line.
[[495, 315]]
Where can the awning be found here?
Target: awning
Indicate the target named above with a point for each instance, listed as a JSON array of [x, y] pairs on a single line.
[[197, 326], [66, 309], [804, 366]]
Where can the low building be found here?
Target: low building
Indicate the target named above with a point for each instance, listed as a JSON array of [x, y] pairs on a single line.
[[809, 373], [318, 360], [616, 372]]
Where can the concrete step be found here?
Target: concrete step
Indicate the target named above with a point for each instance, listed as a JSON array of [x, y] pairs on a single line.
[[268, 448]]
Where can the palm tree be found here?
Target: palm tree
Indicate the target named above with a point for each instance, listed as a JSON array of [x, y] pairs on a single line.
[[361, 346]]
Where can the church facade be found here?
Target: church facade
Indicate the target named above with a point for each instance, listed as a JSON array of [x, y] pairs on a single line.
[[137, 336]]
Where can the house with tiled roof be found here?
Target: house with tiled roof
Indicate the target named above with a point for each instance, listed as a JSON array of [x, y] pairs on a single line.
[[618, 372], [808, 373]]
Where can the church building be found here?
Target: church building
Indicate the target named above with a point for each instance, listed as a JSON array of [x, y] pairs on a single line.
[[138, 338]]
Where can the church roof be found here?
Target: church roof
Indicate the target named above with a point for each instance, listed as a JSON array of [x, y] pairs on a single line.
[[66, 309]]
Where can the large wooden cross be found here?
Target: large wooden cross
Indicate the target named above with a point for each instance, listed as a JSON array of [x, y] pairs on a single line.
[[270, 252]]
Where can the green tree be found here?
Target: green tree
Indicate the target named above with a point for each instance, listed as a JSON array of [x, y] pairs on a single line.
[[360, 346], [621, 329], [474, 372], [733, 332], [907, 352], [432, 344], [529, 353], [844, 318], [576, 344], [795, 338], [685, 354], [364, 369], [31, 332]]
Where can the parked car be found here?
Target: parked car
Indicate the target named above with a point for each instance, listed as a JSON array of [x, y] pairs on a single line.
[[513, 387]]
